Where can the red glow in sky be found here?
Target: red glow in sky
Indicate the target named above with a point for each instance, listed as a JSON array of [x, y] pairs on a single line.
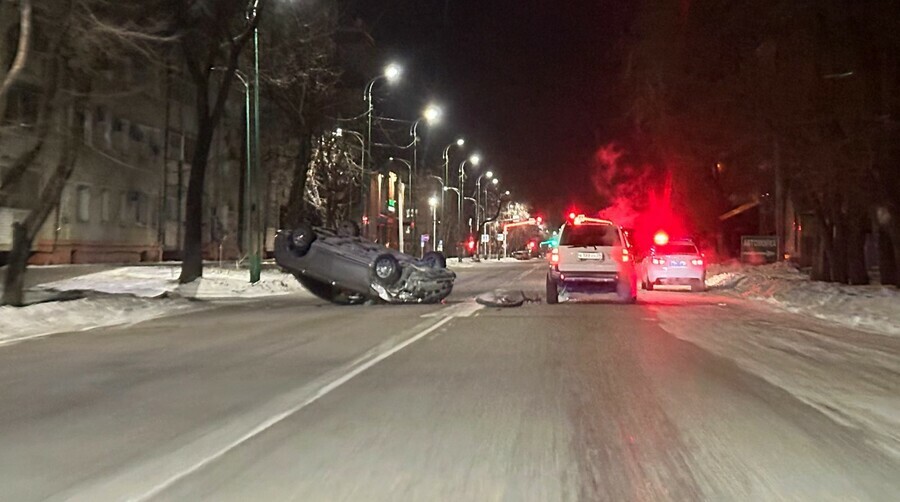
[[639, 200]]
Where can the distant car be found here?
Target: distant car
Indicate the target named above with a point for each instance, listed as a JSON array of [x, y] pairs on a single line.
[[674, 263], [593, 256], [341, 267]]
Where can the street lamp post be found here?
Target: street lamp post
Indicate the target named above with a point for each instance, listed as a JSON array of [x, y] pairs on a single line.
[[441, 181], [473, 160], [446, 180], [488, 175], [432, 202], [431, 115], [249, 155], [400, 213], [391, 74]]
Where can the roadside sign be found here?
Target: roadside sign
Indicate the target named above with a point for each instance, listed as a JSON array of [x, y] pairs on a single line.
[[425, 238], [500, 237], [485, 238], [759, 249]]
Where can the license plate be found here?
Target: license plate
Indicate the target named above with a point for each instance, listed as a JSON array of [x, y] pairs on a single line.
[[590, 256], [676, 263]]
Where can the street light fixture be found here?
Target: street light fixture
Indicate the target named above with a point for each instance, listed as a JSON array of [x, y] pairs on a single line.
[[474, 160], [431, 115], [446, 180], [391, 73], [488, 175]]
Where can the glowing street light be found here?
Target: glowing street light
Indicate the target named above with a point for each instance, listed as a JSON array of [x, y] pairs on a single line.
[[391, 73], [432, 114]]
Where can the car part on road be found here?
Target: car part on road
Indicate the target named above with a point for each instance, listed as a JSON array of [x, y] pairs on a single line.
[[344, 268]]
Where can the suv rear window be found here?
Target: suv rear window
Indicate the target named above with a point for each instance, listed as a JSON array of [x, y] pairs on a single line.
[[589, 235], [676, 249]]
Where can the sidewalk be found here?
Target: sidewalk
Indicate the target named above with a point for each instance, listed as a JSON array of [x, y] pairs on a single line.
[[872, 308], [81, 297]]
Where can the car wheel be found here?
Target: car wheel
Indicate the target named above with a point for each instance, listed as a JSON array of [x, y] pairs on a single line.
[[386, 269], [348, 228], [698, 286], [302, 238], [648, 286], [434, 259], [552, 291], [625, 292]]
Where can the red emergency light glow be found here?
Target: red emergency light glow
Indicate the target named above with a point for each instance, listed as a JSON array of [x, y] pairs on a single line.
[[572, 216], [471, 245], [661, 238]]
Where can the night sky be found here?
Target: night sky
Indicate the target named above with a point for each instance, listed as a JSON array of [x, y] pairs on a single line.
[[529, 83]]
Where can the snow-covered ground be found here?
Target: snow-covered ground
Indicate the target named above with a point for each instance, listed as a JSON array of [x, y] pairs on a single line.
[[17, 324], [872, 308], [132, 294], [158, 281], [845, 361], [851, 376], [469, 263]]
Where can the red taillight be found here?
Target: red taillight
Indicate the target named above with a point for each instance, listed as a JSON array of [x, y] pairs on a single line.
[[697, 262], [658, 261], [625, 257], [554, 256]]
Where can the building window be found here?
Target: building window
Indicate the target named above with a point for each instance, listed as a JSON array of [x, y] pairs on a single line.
[[104, 206], [21, 106], [123, 208], [84, 203]]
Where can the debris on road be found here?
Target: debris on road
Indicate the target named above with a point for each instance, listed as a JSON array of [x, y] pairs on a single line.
[[505, 298]]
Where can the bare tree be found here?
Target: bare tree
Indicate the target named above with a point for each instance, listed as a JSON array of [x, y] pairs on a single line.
[[333, 178], [21, 57], [212, 34], [300, 78]]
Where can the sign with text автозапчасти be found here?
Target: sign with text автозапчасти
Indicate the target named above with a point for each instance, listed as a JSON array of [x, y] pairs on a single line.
[[759, 249]]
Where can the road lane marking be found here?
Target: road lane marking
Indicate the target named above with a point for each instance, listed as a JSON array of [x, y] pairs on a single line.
[[156, 475], [524, 274], [464, 309]]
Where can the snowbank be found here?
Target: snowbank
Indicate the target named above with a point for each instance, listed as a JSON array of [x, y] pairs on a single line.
[[17, 324], [159, 281], [873, 308], [469, 263], [121, 296]]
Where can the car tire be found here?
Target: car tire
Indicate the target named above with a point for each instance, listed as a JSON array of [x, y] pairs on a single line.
[[434, 259], [648, 286], [302, 239], [626, 293], [348, 228], [386, 269], [698, 286], [552, 291]]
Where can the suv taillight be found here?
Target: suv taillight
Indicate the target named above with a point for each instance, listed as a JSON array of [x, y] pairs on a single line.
[[554, 256]]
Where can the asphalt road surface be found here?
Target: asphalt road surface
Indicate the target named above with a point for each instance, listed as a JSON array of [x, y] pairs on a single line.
[[296, 399]]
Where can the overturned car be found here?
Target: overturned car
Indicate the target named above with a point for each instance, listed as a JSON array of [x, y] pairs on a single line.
[[342, 267]]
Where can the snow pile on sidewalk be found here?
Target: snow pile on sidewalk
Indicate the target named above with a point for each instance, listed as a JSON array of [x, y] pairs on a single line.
[[469, 263], [79, 315], [874, 308], [158, 281]]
